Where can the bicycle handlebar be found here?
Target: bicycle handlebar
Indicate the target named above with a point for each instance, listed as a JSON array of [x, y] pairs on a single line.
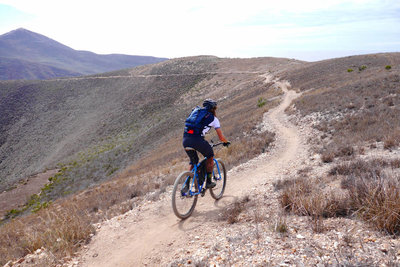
[[220, 143], [217, 144]]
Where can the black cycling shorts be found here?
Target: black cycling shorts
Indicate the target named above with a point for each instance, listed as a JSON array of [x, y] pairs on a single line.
[[200, 144]]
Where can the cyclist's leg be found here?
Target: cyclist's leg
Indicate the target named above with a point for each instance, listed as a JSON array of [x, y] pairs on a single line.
[[207, 151], [210, 164], [192, 154], [201, 145], [193, 157]]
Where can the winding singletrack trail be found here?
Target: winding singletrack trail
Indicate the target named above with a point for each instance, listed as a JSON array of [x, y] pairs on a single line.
[[152, 231]]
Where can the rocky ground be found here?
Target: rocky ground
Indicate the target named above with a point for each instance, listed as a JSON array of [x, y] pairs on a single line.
[[265, 236]]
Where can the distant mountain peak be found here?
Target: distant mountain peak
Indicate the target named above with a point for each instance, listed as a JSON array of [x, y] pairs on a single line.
[[20, 47], [22, 35], [19, 31]]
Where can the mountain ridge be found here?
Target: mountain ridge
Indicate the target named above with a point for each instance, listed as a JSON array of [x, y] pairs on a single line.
[[40, 53]]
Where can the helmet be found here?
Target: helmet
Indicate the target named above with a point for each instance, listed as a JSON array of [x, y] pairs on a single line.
[[209, 104]]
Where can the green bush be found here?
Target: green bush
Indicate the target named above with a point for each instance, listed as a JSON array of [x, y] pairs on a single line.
[[12, 213], [361, 68], [261, 102], [388, 67], [349, 70]]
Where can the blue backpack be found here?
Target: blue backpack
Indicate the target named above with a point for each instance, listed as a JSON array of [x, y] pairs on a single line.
[[198, 120]]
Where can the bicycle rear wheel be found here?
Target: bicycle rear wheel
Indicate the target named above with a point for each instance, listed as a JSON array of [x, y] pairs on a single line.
[[184, 204], [219, 177]]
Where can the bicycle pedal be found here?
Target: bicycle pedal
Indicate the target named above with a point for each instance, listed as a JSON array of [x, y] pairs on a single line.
[[203, 192]]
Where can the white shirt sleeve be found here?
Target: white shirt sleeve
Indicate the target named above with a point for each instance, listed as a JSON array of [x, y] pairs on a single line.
[[214, 124]]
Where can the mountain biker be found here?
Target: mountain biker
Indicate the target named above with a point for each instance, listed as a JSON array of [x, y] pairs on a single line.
[[193, 137]]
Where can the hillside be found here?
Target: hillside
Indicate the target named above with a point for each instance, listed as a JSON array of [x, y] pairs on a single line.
[[28, 55], [355, 99], [326, 192], [18, 69], [97, 125]]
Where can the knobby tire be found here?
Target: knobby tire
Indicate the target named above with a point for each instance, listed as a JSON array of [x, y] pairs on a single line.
[[183, 206], [218, 191]]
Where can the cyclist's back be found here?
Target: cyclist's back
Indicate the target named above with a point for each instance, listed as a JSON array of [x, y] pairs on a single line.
[[197, 125]]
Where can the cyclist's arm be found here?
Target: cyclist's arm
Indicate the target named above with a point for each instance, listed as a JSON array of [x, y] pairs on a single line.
[[221, 135]]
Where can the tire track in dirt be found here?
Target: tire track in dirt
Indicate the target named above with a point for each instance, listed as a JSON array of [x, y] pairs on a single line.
[[151, 231]]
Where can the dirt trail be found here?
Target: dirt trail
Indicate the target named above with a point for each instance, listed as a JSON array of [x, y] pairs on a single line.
[[154, 75], [152, 231]]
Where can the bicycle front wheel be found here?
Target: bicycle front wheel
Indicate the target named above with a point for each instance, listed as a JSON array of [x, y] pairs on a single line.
[[183, 204], [219, 177]]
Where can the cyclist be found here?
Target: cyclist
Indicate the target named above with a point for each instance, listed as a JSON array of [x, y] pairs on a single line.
[[197, 125]]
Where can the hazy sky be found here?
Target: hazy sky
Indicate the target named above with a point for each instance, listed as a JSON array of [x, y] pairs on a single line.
[[308, 29]]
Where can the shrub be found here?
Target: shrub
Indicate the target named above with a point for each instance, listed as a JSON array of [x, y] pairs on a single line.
[[377, 200], [327, 157], [372, 193], [389, 143], [261, 102], [359, 167], [361, 68], [283, 183], [388, 67], [304, 197], [345, 150], [349, 70], [280, 225], [395, 163], [392, 140]]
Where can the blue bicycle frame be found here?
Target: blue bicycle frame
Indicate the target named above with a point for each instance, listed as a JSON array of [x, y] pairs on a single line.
[[196, 176]]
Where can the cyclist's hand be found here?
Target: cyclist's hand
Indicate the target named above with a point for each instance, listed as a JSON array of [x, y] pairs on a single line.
[[227, 144]]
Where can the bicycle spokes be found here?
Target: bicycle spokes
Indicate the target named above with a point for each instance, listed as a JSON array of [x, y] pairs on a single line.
[[183, 203]]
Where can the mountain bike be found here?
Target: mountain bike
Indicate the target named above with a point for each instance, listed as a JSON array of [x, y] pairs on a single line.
[[183, 203]]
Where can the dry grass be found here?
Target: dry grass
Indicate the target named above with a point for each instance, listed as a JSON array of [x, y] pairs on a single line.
[[368, 189], [61, 230], [67, 223], [392, 140], [303, 197], [306, 197], [280, 224], [376, 197], [359, 167], [327, 156], [246, 149]]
